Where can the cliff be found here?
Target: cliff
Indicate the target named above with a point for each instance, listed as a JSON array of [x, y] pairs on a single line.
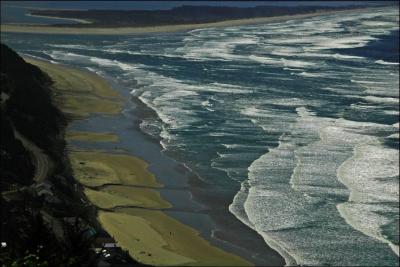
[[46, 220]]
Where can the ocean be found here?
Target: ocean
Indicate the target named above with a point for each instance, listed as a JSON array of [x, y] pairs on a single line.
[[295, 123]]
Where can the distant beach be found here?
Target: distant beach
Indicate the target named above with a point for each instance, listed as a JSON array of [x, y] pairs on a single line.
[[48, 29]]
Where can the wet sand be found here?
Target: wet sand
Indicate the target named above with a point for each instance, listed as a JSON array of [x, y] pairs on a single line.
[[91, 137]]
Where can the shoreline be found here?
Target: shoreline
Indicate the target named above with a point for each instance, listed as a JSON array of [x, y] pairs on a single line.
[[124, 198], [48, 29], [233, 231], [187, 192]]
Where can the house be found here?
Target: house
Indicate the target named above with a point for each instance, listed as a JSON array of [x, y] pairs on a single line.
[[105, 242]]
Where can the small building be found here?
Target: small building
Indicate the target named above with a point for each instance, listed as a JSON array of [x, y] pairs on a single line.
[[105, 242], [110, 245]]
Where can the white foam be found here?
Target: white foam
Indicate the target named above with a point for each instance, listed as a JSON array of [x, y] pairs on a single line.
[[310, 75], [362, 172], [386, 62], [394, 136], [325, 144], [341, 42], [219, 48], [206, 103], [67, 56], [282, 62], [40, 58], [391, 112], [340, 56], [370, 175], [73, 46], [112, 63], [388, 100]]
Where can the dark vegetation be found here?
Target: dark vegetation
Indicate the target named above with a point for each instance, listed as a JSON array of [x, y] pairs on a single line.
[[29, 106], [47, 222], [178, 15]]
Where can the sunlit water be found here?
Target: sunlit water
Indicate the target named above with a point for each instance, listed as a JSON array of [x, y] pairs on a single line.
[[299, 117]]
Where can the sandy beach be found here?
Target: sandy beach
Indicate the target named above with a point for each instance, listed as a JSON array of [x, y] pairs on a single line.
[[121, 185], [46, 29], [80, 93], [88, 136]]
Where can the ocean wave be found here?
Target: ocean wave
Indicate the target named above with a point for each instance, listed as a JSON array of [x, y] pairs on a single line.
[[282, 62], [220, 48], [371, 176], [311, 75], [100, 62], [288, 175], [386, 62], [112, 63], [40, 58], [387, 100], [73, 46], [66, 56]]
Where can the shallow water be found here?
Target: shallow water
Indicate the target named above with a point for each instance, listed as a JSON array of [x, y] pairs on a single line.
[[293, 122]]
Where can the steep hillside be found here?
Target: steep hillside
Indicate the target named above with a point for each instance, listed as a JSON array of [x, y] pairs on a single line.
[[46, 220]]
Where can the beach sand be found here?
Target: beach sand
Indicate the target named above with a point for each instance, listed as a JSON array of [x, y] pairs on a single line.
[[163, 240], [126, 193], [94, 168], [91, 137], [79, 93], [114, 196], [154, 29]]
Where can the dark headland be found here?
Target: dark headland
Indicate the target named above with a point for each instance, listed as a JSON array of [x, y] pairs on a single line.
[[46, 219]]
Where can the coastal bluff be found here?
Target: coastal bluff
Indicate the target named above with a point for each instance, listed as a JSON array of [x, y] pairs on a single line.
[[46, 220]]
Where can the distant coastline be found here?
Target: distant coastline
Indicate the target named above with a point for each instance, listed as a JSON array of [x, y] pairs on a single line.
[[49, 29]]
